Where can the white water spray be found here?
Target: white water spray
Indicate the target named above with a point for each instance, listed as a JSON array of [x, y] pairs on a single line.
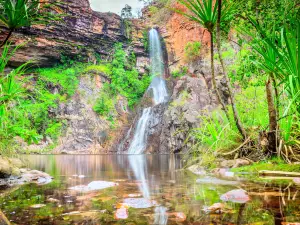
[[139, 141], [159, 93]]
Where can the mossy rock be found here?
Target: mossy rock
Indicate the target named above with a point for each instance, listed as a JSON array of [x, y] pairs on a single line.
[[10, 166], [5, 168]]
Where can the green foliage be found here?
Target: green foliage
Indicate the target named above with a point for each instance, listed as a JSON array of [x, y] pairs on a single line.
[[30, 113], [124, 81], [216, 132], [180, 72], [192, 51], [153, 9], [100, 68], [105, 105], [146, 40], [127, 82], [273, 164], [66, 79]]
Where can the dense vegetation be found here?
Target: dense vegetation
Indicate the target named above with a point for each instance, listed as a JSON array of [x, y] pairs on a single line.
[[263, 119]]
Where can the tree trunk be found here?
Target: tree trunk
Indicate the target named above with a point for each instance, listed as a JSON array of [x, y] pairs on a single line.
[[231, 94], [276, 94], [272, 137], [213, 75], [6, 39]]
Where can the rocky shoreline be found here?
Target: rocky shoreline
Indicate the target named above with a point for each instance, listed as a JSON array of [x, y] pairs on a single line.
[[14, 172]]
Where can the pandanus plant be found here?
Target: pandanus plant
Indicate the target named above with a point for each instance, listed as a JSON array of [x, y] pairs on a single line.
[[209, 13], [279, 57], [15, 14]]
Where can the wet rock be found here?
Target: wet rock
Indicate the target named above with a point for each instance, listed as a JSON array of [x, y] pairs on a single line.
[[296, 181], [139, 203], [94, 186], [234, 163], [191, 97], [236, 196], [215, 208], [78, 215], [10, 167], [121, 214], [3, 219], [35, 176], [198, 170], [5, 168], [26, 176]]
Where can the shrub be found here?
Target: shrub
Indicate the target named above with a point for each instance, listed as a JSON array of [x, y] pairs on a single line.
[[192, 51], [180, 72]]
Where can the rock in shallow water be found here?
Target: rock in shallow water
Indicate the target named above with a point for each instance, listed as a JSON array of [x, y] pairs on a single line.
[[121, 214], [94, 186], [236, 196], [139, 203]]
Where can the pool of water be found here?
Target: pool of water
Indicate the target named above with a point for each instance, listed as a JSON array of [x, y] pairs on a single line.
[[143, 189]]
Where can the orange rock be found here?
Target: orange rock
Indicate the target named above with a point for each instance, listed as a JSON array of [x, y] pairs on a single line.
[[122, 205]]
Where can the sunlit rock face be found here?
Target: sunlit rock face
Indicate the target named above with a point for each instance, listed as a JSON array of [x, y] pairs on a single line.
[[83, 33]]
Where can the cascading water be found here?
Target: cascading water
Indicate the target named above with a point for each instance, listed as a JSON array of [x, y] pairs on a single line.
[[159, 93], [158, 89], [139, 141]]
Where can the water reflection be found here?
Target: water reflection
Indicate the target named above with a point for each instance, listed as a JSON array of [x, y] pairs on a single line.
[[178, 198], [138, 165]]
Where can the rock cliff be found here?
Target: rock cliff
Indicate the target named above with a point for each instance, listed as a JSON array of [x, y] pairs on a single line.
[[81, 35], [192, 94]]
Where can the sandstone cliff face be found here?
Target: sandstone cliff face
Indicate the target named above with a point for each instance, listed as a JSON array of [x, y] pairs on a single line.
[[192, 95], [81, 35]]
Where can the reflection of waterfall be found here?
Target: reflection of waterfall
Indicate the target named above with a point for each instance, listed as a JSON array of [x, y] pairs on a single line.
[[138, 145], [138, 165], [161, 216], [158, 90]]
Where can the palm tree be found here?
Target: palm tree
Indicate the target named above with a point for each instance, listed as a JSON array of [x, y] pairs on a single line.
[[279, 57], [208, 13], [205, 13], [15, 14], [228, 9]]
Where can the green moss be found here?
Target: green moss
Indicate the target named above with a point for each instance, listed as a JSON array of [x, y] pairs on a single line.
[[274, 164], [102, 68]]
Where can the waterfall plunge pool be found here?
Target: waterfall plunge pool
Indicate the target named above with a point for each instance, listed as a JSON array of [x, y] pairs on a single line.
[[142, 189]]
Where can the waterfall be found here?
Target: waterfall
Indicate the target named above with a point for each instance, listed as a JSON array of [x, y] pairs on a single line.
[[159, 93], [157, 88], [139, 141]]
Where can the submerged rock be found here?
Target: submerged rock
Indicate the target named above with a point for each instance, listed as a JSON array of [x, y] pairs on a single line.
[[27, 176], [94, 186], [234, 163], [139, 203], [121, 214], [236, 196], [215, 208], [198, 170]]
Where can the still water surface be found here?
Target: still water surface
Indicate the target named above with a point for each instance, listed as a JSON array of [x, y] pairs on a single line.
[[141, 189]]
